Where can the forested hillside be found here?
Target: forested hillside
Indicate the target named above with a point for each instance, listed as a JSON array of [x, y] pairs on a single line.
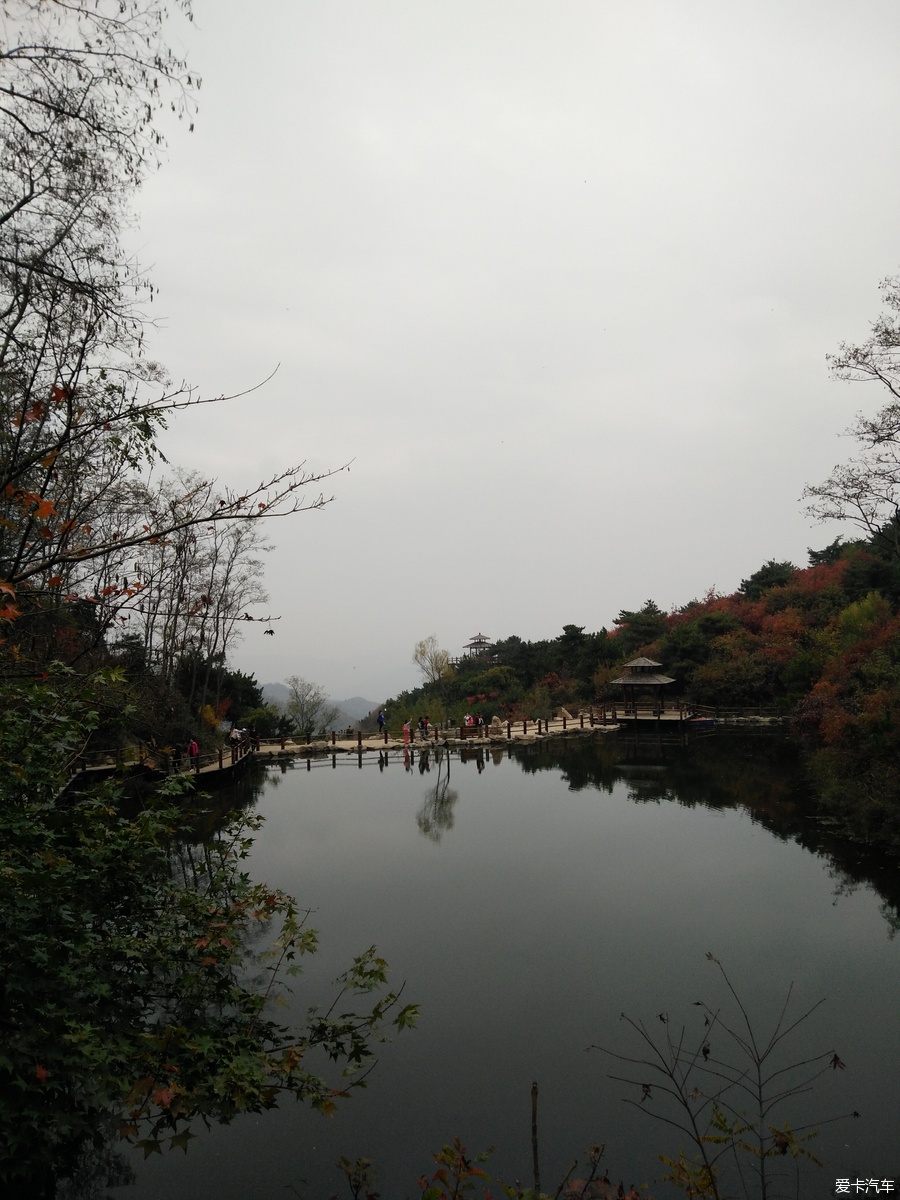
[[818, 644]]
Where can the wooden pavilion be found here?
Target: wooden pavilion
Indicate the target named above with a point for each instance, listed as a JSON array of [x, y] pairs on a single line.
[[642, 681], [478, 647]]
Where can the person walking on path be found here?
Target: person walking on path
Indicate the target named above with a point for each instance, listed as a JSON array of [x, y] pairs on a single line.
[[193, 753], [406, 733], [381, 719]]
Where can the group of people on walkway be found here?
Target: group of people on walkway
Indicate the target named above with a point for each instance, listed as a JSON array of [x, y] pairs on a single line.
[[243, 737], [237, 737], [421, 730]]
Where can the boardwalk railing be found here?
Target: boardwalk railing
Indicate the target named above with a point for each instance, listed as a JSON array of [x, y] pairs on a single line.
[[722, 713], [172, 762], [168, 762]]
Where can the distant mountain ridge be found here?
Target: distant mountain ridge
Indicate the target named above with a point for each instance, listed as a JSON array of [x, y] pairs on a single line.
[[350, 711]]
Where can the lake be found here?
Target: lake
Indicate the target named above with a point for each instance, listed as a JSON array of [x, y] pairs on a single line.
[[528, 901]]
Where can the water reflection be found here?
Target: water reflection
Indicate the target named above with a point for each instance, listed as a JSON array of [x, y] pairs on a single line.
[[436, 816], [585, 879], [759, 772], [96, 1169]]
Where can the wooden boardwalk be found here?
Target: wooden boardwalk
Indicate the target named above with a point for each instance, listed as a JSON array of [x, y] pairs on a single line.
[[221, 768]]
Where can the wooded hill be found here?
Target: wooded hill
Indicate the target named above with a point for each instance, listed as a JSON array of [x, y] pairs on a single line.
[[819, 644]]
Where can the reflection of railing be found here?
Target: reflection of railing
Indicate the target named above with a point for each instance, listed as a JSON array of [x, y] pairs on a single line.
[[405, 756]]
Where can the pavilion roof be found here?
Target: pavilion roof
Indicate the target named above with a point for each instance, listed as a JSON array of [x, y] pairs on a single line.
[[643, 678]]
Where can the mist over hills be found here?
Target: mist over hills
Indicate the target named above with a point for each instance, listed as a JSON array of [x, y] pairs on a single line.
[[350, 711]]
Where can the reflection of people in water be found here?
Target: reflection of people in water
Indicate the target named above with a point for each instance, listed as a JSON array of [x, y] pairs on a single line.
[[424, 762], [406, 760]]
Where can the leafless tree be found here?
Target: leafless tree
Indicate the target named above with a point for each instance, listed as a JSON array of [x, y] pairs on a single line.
[[432, 661], [308, 707], [865, 490], [81, 408]]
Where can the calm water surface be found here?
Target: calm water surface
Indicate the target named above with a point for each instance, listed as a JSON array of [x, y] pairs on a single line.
[[527, 903]]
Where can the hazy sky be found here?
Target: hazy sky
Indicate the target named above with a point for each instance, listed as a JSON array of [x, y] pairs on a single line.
[[559, 278]]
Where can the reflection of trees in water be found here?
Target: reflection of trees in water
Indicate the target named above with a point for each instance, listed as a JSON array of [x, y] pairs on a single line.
[[891, 914], [208, 812], [761, 772], [436, 814], [97, 1169]]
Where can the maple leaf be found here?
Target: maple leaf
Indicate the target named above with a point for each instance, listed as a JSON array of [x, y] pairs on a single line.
[[40, 1072], [139, 1089], [44, 509]]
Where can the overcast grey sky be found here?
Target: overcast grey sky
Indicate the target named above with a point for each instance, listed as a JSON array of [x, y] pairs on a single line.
[[558, 277]]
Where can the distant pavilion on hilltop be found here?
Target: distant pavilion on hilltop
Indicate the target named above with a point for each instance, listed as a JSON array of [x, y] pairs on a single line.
[[478, 646]]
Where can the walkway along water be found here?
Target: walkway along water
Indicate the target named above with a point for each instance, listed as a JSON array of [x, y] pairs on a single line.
[[222, 767]]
